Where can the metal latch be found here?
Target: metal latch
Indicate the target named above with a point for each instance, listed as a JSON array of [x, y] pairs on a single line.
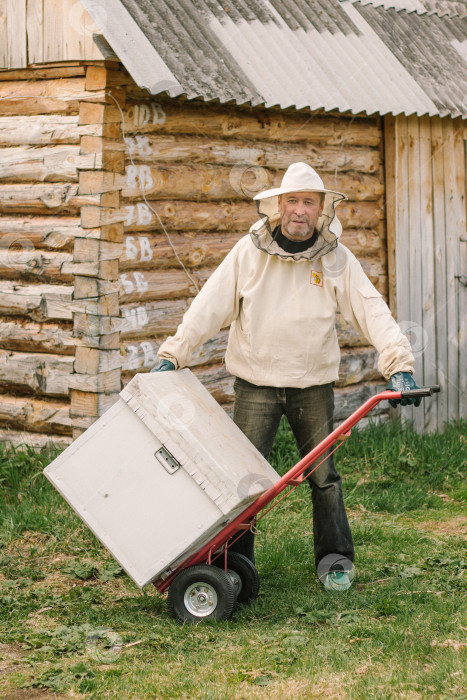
[[167, 460]]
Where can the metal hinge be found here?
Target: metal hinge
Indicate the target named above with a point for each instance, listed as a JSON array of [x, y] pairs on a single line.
[[168, 461]]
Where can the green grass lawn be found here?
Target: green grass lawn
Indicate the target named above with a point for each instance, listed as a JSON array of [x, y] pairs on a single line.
[[72, 623]]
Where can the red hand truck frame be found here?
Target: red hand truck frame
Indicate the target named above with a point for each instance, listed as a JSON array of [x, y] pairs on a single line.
[[207, 594]]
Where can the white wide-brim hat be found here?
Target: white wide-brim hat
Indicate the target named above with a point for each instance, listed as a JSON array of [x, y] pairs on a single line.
[[301, 177]]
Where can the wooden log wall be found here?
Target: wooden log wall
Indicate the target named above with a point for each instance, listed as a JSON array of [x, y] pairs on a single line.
[[192, 169], [92, 210], [61, 153]]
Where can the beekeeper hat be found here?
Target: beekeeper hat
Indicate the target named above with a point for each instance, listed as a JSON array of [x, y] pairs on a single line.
[[301, 177]]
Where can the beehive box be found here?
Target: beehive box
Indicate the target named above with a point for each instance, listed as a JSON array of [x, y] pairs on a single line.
[[160, 473]]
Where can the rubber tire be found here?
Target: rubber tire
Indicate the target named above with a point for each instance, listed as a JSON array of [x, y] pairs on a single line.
[[247, 572], [212, 577]]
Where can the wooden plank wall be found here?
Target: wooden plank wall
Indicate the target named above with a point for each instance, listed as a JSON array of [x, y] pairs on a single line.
[[59, 152], [45, 31], [194, 169], [426, 182]]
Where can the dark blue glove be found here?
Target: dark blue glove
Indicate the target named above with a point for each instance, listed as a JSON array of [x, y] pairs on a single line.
[[403, 381], [164, 366]]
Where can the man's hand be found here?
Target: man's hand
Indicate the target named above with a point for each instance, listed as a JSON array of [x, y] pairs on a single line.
[[403, 381], [164, 366]]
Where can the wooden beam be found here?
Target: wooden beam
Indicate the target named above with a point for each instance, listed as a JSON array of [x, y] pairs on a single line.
[[55, 306], [460, 144], [48, 163], [37, 373], [210, 182], [439, 223], [99, 182], [88, 250], [85, 325], [105, 269], [454, 213], [84, 403], [250, 157], [27, 264], [111, 341], [45, 72], [95, 361], [35, 415], [50, 129], [177, 117], [92, 288], [105, 382], [20, 299], [20, 335], [51, 199], [96, 216], [426, 340], [391, 214], [38, 441], [98, 114], [100, 77], [414, 250], [142, 356], [52, 96], [149, 252]]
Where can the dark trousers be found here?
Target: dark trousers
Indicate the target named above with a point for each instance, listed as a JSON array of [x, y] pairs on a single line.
[[257, 412]]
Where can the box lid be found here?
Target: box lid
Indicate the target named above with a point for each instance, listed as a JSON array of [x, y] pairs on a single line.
[[194, 428]]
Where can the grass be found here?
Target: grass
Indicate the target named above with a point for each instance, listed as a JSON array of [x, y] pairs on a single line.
[[72, 623]]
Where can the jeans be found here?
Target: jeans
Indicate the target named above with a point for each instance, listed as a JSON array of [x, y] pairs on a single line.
[[257, 412]]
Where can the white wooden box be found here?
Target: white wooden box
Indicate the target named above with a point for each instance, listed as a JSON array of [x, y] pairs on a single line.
[[160, 473]]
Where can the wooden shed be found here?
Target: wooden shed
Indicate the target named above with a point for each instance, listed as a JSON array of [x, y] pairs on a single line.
[[133, 137]]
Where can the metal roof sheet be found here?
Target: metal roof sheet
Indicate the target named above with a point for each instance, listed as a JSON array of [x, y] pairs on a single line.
[[452, 8], [315, 54], [434, 59]]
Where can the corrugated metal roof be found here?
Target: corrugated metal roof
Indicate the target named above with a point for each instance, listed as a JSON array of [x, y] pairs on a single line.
[[452, 8], [316, 54], [433, 59]]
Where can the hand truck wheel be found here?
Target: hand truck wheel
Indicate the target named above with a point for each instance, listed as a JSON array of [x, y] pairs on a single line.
[[243, 573], [202, 592]]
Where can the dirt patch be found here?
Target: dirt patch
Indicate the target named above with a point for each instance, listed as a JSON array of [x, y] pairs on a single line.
[[453, 527], [11, 656]]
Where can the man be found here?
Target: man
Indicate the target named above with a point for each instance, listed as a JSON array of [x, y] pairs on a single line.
[[279, 289]]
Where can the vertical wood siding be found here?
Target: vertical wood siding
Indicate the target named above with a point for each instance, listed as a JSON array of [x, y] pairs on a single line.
[[425, 168], [45, 31]]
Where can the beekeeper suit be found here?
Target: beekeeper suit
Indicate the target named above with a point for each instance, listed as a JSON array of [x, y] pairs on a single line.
[[279, 289]]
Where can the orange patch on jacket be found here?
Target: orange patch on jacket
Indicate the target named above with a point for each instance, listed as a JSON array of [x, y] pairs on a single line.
[[316, 278]]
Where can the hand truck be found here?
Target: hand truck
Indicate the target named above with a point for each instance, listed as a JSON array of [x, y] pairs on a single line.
[[211, 582]]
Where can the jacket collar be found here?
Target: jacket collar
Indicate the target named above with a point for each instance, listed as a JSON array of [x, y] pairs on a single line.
[[262, 238]]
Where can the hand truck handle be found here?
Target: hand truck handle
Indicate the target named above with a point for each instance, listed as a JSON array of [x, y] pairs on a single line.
[[422, 391]]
